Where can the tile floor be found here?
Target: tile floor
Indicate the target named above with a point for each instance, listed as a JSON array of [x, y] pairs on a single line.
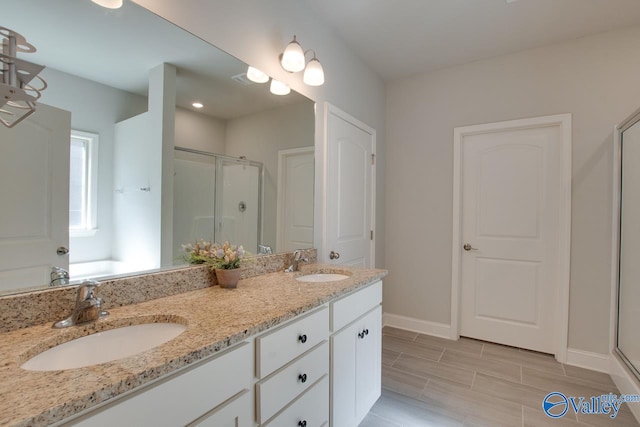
[[429, 381]]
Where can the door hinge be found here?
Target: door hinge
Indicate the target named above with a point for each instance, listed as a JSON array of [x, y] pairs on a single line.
[[371, 234], [373, 158]]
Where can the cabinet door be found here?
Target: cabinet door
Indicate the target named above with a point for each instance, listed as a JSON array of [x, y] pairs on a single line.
[[368, 362], [343, 377], [355, 369], [234, 413]]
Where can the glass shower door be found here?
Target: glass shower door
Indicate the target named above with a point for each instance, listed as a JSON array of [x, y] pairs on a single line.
[[193, 200], [238, 203]]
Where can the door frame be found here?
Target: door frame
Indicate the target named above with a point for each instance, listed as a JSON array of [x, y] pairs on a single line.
[[282, 154], [564, 240], [322, 187]]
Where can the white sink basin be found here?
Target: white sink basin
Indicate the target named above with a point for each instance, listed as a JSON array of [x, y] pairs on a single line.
[[322, 277], [103, 347]]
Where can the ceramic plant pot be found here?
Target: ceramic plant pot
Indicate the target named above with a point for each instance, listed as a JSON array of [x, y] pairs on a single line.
[[228, 278]]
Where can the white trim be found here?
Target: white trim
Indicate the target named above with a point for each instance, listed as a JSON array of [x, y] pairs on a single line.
[[330, 109], [625, 381], [564, 243], [615, 239], [281, 190], [417, 325], [588, 360]]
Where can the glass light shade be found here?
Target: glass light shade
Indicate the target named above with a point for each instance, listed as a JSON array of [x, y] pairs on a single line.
[[279, 88], [314, 74], [109, 4], [256, 75], [293, 57], [197, 104]]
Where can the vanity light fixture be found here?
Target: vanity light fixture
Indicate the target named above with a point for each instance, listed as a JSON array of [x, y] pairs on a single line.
[[293, 60], [279, 88], [18, 95], [197, 105], [109, 4], [257, 76]]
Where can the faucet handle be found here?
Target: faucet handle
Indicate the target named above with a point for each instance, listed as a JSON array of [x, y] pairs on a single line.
[[86, 290]]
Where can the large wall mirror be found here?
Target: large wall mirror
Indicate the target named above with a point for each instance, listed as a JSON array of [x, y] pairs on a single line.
[[148, 171], [627, 343]]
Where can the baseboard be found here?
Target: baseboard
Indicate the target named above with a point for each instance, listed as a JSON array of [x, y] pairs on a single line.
[[588, 360], [426, 327], [626, 383]]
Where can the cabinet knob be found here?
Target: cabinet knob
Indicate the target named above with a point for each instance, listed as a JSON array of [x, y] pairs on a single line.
[[361, 335], [302, 378], [302, 423], [302, 338], [366, 332]]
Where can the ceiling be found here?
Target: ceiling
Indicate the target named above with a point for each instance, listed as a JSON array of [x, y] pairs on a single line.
[[119, 47], [399, 38]]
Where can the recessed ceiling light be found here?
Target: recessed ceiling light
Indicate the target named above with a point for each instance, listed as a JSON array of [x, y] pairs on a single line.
[[197, 105]]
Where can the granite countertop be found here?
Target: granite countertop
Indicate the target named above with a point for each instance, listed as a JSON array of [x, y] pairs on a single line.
[[215, 318]]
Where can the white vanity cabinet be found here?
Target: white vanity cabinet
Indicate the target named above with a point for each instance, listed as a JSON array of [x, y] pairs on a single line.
[[292, 367], [356, 353], [212, 392]]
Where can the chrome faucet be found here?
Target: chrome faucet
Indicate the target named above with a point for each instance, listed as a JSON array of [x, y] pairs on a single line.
[[59, 276], [88, 306], [295, 261]]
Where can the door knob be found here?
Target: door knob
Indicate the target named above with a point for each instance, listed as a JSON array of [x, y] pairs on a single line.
[[468, 247], [334, 255], [62, 251]]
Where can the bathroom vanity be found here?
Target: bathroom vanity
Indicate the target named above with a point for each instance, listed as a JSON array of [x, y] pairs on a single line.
[[274, 351]]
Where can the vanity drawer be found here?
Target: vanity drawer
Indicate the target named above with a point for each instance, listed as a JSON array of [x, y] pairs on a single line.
[[277, 348], [181, 397], [349, 308], [280, 388], [311, 409]]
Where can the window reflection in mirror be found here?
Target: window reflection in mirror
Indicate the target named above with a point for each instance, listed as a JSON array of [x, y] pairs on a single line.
[[97, 67]]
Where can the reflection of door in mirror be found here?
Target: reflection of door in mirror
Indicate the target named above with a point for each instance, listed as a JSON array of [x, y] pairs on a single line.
[[35, 188], [295, 199], [628, 341]]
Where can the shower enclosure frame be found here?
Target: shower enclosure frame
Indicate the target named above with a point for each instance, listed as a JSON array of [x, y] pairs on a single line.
[[240, 161]]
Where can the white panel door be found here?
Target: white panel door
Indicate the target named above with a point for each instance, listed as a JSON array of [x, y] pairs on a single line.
[[511, 199], [350, 191], [34, 189], [295, 199]]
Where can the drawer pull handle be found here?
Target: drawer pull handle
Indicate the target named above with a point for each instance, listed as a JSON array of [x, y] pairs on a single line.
[[302, 338], [302, 378], [302, 423]]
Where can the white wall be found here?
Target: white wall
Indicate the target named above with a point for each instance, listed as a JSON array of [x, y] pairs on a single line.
[[199, 131], [94, 108], [257, 31], [259, 137], [594, 78]]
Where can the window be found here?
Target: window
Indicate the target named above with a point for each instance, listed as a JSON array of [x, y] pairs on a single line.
[[83, 174]]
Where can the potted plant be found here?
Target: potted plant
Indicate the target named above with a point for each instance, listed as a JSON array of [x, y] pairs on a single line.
[[225, 259]]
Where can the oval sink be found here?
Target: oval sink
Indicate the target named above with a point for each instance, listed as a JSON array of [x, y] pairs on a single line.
[[105, 346], [322, 277]]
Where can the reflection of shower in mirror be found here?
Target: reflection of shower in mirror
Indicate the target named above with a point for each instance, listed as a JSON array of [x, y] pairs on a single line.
[[217, 199]]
